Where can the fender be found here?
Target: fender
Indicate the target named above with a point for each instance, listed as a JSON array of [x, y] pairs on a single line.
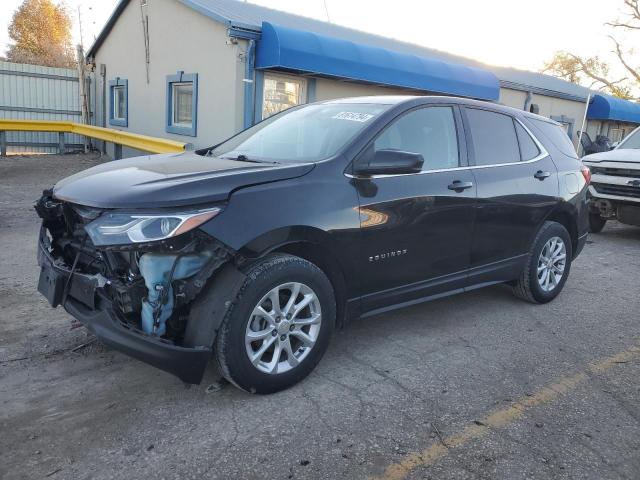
[[280, 237], [316, 246], [209, 309], [567, 215]]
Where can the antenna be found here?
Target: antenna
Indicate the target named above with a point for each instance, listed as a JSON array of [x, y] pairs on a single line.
[[326, 10]]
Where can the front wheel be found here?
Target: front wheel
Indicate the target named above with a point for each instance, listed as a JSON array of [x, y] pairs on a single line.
[[279, 326], [548, 265], [596, 223]]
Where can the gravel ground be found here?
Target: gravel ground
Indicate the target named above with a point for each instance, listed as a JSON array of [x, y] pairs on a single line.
[[474, 386]]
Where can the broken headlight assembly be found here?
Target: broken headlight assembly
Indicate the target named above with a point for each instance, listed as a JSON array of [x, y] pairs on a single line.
[[122, 228]]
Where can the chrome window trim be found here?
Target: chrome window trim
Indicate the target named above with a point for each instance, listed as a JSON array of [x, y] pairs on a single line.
[[543, 154]]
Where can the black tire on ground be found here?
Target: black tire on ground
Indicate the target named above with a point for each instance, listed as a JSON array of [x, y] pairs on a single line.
[[264, 275], [527, 286], [596, 223]]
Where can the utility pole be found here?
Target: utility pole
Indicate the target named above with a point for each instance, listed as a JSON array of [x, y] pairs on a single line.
[[83, 93], [80, 26]]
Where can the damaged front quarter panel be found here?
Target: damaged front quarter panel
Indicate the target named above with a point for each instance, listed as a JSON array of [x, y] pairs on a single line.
[[156, 302], [209, 309]]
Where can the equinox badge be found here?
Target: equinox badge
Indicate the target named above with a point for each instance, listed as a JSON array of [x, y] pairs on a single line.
[[384, 256]]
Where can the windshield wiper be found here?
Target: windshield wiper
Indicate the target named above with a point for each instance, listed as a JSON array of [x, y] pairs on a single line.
[[244, 158]]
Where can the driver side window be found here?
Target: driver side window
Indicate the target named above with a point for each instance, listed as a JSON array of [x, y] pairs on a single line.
[[429, 131]]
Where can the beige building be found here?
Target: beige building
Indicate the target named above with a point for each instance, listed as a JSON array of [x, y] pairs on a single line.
[[200, 71]]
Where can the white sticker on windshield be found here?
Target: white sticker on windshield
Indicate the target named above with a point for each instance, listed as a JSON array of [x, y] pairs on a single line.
[[353, 116]]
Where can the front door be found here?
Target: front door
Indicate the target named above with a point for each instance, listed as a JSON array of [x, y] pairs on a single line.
[[416, 228]]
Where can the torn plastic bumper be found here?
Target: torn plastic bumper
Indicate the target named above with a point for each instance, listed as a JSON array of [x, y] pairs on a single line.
[[188, 364], [85, 302]]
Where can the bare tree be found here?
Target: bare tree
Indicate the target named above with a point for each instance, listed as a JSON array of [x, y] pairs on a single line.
[[594, 72]]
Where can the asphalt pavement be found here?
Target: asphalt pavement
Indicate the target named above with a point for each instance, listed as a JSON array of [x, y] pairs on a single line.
[[480, 385]]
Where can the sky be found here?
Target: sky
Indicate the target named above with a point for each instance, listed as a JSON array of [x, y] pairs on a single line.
[[515, 33]]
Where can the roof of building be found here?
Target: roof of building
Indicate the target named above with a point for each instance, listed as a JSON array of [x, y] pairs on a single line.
[[247, 16], [606, 107]]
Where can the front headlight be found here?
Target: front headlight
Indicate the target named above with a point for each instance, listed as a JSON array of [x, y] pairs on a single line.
[[121, 228]]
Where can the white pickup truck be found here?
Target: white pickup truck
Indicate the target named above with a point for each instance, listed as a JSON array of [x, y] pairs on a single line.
[[615, 184]]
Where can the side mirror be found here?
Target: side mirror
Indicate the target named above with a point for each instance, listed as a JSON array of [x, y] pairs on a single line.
[[389, 162], [614, 145]]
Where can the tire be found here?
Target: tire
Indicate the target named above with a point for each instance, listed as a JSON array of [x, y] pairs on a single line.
[[280, 273], [596, 223], [529, 286]]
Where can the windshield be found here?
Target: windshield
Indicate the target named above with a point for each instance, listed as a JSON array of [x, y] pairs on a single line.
[[304, 134], [632, 141]]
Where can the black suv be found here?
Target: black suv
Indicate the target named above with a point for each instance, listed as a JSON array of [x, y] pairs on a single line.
[[255, 249]]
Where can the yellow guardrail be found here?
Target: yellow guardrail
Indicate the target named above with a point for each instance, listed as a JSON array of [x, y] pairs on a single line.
[[118, 137]]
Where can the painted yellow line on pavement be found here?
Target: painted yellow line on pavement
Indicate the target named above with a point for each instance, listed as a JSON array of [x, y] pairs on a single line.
[[504, 416]]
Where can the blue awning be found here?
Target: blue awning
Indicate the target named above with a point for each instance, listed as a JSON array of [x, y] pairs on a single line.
[[306, 52], [605, 107]]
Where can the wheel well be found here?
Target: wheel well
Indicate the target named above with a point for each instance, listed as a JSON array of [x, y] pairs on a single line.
[[568, 222], [323, 259]]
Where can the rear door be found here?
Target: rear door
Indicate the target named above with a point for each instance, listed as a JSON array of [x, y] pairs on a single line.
[[517, 186], [416, 228]]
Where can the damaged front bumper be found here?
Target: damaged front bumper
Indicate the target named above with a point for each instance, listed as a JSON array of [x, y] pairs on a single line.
[[161, 302], [89, 305]]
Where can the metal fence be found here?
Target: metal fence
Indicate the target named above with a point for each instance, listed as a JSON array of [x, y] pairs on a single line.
[[33, 92]]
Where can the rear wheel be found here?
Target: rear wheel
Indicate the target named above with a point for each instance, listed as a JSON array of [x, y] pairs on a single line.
[[596, 223], [548, 265], [279, 326]]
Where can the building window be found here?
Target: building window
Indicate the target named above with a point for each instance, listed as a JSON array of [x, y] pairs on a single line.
[[615, 134], [282, 92], [182, 103], [119, 102]]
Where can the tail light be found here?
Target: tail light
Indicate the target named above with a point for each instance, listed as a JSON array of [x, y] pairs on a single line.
[[586, 173]]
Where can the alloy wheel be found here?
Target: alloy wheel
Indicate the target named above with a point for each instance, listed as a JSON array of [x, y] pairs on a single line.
[[283, 328], [551, 264]]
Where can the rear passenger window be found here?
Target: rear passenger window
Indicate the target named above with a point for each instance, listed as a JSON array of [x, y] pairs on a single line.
[[528, 148], [493, 136], [430, 131]]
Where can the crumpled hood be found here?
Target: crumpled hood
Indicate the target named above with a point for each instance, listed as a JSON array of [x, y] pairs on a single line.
[[168, 180], [627, 155]]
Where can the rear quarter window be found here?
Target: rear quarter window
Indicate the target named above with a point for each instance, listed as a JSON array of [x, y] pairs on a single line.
[[556, 135], [528, 148]]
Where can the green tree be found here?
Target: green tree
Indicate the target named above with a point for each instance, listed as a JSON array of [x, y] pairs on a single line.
[[594, 72], [41, 32]]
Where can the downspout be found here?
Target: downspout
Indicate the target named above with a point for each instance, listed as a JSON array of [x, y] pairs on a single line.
[[103, 84], [527, 101], [249, 88]]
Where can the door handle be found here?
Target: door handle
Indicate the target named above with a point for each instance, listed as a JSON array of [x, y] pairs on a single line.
[[540, 175], [459, 186]]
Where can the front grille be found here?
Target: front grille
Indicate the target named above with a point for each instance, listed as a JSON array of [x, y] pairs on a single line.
[[619, 190], [616, 172]]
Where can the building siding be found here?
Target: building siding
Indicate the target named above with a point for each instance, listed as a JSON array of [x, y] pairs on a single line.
[[327, 89], [193, 44], [550, 107], [181, 39]]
